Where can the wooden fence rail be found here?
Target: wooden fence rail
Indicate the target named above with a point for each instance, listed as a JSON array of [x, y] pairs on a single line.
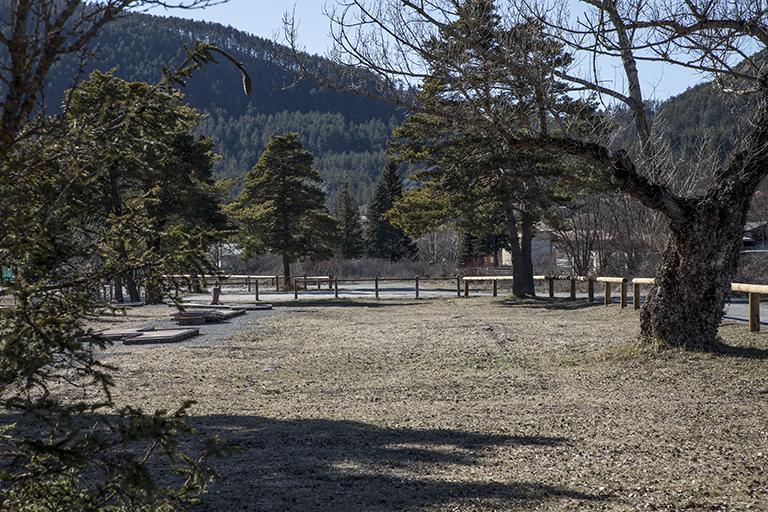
[[417, 280], [754, 291]]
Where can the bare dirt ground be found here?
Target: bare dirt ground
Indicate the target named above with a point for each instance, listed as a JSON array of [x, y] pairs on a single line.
[[454, 404]]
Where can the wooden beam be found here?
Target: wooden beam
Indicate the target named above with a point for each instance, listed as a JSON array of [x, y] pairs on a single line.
[[754, 312], [635, 294]]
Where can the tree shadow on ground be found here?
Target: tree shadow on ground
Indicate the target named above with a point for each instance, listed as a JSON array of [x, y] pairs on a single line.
[[344, 303], [556, 304], [724, 350], [318, 464]]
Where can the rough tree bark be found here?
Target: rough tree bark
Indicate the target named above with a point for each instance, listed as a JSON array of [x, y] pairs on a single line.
[[286, 271], [685, 307], [520, 245]]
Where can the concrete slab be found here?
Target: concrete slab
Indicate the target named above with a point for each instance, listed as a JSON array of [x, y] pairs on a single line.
[[118, 334], [164, 336]]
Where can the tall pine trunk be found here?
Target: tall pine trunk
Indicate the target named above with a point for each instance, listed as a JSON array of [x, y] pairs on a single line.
[[520, 248], [154, 291], [693, 278], [286, 271], [118, 285]]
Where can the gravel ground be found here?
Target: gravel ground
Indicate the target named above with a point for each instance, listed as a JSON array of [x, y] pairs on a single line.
[[453, 404]]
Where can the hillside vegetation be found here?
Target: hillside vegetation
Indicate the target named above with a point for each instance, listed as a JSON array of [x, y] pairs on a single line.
[[346, 133]]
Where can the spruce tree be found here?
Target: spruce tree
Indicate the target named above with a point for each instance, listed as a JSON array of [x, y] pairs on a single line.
[[385, 240], [281, 207], [351, 239]]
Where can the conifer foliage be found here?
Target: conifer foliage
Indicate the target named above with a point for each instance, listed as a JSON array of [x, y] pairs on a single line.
[[351, 238], [281, 207], [385, 240]]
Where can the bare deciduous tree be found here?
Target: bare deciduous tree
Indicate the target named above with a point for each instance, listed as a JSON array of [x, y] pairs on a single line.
[[720, 37]]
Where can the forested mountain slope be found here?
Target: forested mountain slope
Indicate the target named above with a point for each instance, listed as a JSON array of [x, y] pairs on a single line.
[[347, 133], [704, 117]]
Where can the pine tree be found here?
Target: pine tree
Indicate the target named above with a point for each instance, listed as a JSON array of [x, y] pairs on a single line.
[[351, 239], [386, 241], [281, 207]]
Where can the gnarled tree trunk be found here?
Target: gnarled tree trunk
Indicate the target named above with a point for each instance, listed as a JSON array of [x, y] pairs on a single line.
[[693, 278]]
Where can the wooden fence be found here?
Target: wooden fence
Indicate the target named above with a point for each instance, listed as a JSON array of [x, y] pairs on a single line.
[[252, 282], [377, 281]]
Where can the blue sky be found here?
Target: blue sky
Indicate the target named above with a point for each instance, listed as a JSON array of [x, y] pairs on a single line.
[[264, 18]]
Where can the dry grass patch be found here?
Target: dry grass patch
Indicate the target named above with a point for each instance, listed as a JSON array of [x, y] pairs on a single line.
[[467, 405]]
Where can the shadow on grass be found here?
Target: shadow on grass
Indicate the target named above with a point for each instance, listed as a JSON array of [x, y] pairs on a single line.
[[557, 304], [318, 464], [735, 351], [345, 303]]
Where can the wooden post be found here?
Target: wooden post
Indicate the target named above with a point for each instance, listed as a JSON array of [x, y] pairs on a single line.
[[330, 282], [495, 288], [295, 288], [319, 284], [551, 282], [623, 294], [256, 284], [336, 288], [466, 289], [607, 300], [591, 290], [305, 281], [248, 283], [458, 286], [277, 283], [636, 295], [754, 312], [417, 287], [573, 288], [376, 286]]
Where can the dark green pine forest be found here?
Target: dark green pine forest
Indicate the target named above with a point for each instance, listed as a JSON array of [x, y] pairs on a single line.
[[346, 133]]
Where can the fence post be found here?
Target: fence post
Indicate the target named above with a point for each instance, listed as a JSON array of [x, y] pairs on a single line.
[[336, 287], [277, 283], [256, 284], [248, 283], [551, 282], [591, 289], [330, 282], [754, 312], [295, 288], [495, 288], [607, 299], [636, 295], [417, 287], [466, 289], [376, 286], [319, 284], [573, 288], [458, 286], [624, 294]]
